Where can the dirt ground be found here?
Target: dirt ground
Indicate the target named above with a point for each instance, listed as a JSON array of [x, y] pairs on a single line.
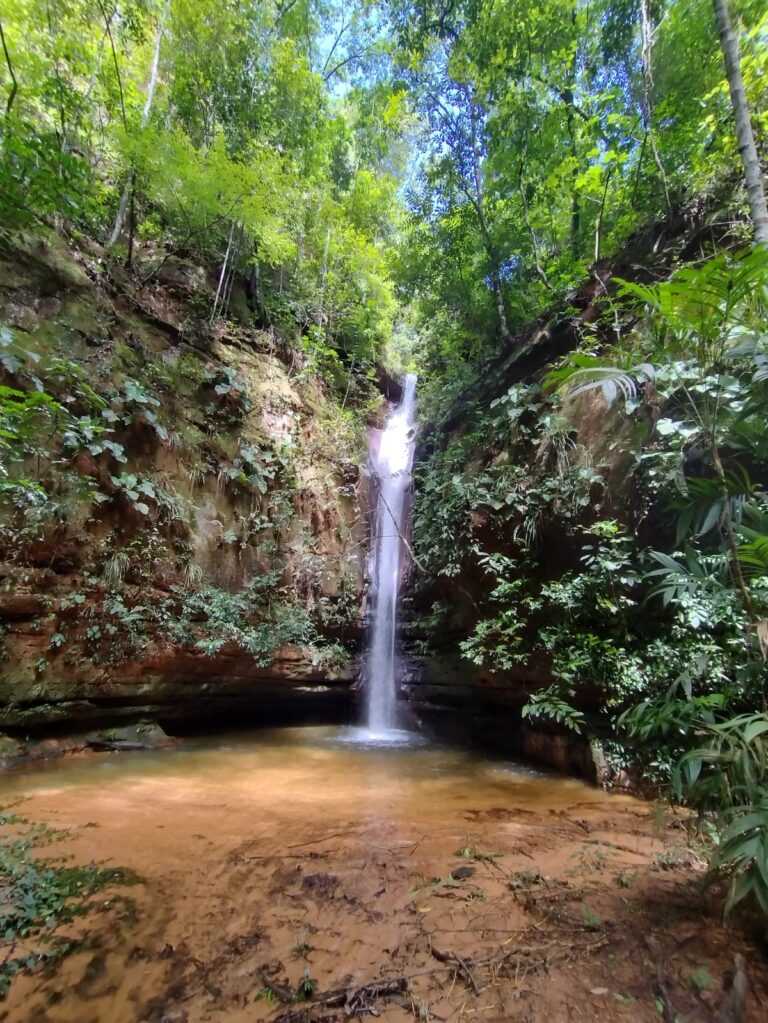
[[438, 901]]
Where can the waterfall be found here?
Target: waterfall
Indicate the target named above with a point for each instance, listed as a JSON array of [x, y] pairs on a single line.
[[392, 468]]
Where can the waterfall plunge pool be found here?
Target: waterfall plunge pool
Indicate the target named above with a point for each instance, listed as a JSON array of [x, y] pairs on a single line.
[[319, 757], [292, 853]]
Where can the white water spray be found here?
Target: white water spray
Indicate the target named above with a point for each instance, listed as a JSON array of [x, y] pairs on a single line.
[[392, 466]]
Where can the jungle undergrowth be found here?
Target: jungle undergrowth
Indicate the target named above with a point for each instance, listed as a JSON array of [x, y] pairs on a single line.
[[41, 895]]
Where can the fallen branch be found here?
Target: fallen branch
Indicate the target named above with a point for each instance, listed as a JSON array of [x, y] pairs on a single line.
[[325, 838], [355, 1001], [283, 992], [461, 964], [358, 1001]]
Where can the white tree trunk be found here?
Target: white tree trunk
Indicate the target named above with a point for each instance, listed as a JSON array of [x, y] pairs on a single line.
[[122, 209], [223, 274], [752, 172]]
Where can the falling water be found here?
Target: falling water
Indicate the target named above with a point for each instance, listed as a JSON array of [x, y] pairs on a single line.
[[392, 466]]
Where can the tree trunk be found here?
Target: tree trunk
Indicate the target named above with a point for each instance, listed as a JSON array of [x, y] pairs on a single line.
[[131, 220], [117, 227], [506, 337], [223, 274], [324, 275], [498, 291], [575, 203], [479, 204], [522, 187], [238, 240], [744, 134], [647, 33], [570, 109], [14, 83], [83, 104]]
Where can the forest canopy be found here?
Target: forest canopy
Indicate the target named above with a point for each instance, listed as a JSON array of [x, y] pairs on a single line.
[[474, 157]]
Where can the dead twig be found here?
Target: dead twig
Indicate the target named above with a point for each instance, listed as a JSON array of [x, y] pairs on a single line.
[[325, 838], [355, 1001], [282, 992], [359, 1001], [462, 966]]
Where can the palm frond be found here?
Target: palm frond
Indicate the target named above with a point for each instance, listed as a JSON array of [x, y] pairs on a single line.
[[611, 381]]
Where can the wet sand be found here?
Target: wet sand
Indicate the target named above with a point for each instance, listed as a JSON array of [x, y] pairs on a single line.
[[299, 860]]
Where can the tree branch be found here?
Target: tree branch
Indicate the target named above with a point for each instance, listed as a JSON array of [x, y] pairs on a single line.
[[108, 23], [14, 82], [283, 9], [527, 217], [344, 26], [347, 60]]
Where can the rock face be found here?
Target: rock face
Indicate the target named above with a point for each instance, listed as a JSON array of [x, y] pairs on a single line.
[[210, 559], [173, 684], [466, 704], [507, 481]]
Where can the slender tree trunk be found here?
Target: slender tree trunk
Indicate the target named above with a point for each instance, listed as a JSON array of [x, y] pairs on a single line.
[[575, 203], [324, 275], [131, 220], [647, 32], [14, 83], [223, 273], [479, 205], [83, 104], [506, 337], [236, 248], [570, 111], [122, 209], [527, 217], [752, 172], [470, 309]]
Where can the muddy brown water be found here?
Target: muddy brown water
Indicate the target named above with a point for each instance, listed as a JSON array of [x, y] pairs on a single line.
[[307, 860]]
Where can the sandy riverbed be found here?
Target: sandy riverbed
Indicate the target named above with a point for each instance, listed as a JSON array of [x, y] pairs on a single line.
[[297, 859]]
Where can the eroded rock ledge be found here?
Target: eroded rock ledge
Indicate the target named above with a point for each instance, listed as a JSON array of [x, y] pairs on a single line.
[[173, 685], [210, 560]]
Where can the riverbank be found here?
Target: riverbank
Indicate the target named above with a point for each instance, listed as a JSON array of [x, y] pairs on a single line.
[[418, 882]]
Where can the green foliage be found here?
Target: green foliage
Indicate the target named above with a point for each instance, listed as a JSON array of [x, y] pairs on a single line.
[[458, 501], [499, 641], [39, 895], [216, 131], [742, 852], [706, 340], [552, 132], [549, 704], [168, 505], [305, 989], [666, 645], [257, 468], [24, 413], [364, 175], [259, 619], [40, 430]]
